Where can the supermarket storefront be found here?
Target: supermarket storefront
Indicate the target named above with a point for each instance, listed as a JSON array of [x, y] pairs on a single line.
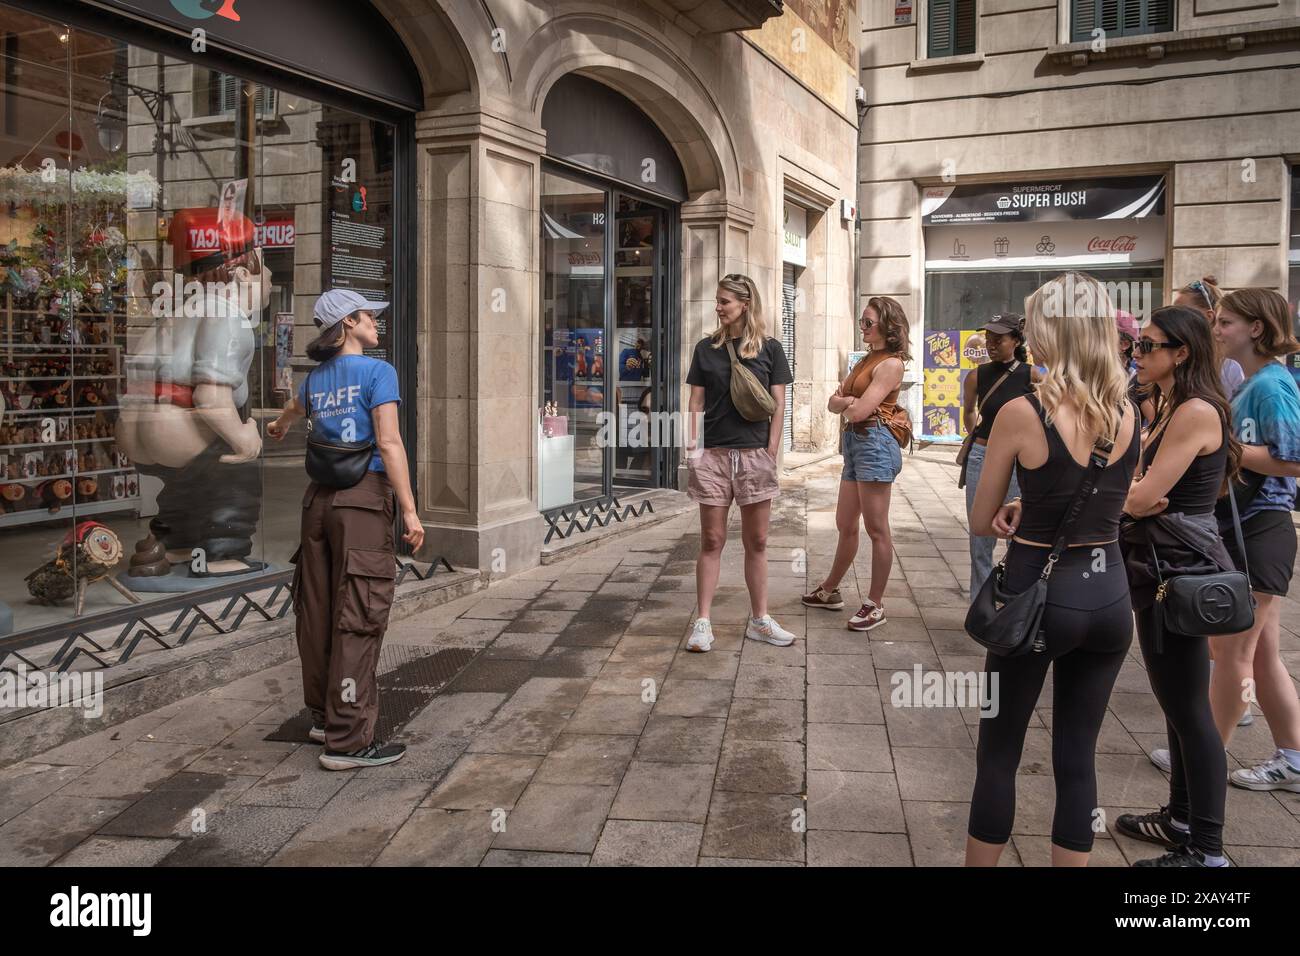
[[989, 245]]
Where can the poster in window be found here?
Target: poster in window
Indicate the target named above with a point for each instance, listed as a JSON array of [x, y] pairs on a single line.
[[357, 225]]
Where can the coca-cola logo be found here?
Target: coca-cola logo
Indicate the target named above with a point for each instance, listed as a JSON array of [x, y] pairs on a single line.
[[1114, 244]]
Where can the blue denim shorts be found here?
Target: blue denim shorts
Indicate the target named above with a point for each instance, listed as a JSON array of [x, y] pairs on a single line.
[[874, 456]]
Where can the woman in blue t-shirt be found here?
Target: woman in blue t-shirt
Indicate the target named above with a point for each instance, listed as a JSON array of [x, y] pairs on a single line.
[[1253, 327], [343, 587]]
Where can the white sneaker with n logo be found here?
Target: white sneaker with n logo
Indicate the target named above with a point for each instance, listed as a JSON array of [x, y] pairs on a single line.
[[1272, 774]]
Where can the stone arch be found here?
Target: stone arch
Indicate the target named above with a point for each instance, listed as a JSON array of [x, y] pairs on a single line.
[[451, 70], [641, 67]]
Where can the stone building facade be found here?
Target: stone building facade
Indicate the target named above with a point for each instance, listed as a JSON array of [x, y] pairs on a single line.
[[1203, 102]]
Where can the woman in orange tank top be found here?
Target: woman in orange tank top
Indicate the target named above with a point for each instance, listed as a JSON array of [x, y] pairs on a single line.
[[872, 460]]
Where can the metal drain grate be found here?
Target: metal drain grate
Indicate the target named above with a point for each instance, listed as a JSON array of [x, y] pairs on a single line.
[[409, 676]]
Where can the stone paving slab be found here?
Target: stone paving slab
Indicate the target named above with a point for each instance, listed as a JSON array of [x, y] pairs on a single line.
[[585, 734]]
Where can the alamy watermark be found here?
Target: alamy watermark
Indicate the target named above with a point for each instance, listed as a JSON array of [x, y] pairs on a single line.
[[1137, 298], [23, 690], [641, 429], [921, 688]]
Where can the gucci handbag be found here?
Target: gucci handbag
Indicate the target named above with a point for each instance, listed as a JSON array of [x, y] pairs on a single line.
[[1205, 604], [1011, 624], [335, 464]]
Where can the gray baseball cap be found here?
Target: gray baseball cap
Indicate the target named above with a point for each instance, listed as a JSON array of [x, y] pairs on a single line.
[[337, 304]]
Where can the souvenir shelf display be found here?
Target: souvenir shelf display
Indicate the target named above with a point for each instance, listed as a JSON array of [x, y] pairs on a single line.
[[62, 336]]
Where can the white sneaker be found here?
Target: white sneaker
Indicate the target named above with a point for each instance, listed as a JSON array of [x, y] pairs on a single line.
[[868, 616], [701, 638], [317, 734], [1246, 719], [765, 629], [1161, 759], [1272, 774]]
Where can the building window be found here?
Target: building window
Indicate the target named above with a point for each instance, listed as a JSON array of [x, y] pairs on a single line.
[[224, 92], [951, 27], [1120, 18]]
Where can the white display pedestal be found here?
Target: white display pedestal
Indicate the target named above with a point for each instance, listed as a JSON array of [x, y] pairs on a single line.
[[555, 472]]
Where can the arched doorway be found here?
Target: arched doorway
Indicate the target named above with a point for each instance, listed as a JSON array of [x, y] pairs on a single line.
[[612, 187]]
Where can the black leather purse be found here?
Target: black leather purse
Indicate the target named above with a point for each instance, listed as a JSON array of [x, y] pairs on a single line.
[[1011, 624], [1205, 604], [335, 464]]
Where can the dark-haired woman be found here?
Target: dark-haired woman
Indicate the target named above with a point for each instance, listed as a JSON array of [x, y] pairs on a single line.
[[1188, 458], [872, 460], [1005, 377], [343, 588], [1253, 327]]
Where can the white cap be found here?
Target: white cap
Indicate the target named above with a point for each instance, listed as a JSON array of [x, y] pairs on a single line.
[[337, 304]]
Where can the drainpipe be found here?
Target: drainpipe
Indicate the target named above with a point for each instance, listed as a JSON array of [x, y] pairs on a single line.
[[861, 99]]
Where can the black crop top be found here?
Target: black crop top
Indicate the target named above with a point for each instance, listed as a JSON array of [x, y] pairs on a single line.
[[1196, 492], [1018, 383], [1046, 491]]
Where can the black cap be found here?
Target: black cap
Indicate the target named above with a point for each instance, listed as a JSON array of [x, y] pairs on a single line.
[[1004, 323]]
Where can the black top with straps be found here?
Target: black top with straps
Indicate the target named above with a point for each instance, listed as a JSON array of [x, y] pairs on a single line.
[[1018, 383], [1046, 491], [1196, 492]]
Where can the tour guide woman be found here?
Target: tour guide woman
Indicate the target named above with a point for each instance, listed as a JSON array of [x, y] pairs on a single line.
[[344, 584]]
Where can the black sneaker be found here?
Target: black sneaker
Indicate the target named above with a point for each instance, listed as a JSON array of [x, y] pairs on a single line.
[[375, 755], [1155, 828], [1181, 857]]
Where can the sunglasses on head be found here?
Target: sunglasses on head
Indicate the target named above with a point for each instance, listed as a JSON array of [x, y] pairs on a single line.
[[1146, 346], [1205, 293]]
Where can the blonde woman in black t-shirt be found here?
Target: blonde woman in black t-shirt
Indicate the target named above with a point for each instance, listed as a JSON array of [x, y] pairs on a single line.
[[735, 459]]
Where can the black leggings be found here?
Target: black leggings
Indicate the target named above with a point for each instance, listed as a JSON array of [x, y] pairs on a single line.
[[1180, 678], [1088, 626]]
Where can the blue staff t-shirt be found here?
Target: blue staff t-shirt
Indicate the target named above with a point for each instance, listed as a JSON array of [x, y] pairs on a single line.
[[344, 391], [1266, 411]]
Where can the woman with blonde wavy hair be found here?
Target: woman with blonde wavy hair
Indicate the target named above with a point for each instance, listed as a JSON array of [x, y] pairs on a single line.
[[736, 458], [872, 460], [1048, 437]]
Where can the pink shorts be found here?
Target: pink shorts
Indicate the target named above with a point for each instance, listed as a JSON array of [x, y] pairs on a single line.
[[719, 476]]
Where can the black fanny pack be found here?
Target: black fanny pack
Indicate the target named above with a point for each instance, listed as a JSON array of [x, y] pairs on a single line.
[[335, 464]]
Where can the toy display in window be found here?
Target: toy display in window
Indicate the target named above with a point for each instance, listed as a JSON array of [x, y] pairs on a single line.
[[184, 416], [88, 553]]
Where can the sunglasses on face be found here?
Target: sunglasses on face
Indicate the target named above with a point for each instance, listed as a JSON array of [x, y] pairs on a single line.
[[866, 323], [1146, 346]]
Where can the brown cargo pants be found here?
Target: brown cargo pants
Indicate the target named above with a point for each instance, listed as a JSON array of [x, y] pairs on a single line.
[[343, 590]]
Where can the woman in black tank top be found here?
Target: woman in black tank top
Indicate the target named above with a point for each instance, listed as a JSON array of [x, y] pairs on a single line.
[[1005, 377], [1087, 622], [1188, 454]]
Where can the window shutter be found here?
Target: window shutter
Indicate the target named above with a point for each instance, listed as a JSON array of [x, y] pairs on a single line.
[[1120, 17], [1159, 16], [940, 28], [1083, 19], [965, 28]]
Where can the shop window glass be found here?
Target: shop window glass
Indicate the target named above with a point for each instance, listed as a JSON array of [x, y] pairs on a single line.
[[959, 303], [157, 283]]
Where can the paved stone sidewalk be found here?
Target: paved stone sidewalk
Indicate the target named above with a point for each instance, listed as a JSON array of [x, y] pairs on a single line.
[[584, 733]]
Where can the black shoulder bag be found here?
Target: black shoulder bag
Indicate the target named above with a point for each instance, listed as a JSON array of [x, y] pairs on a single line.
[[1205, 604], [1010, 624], [335, 464]]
